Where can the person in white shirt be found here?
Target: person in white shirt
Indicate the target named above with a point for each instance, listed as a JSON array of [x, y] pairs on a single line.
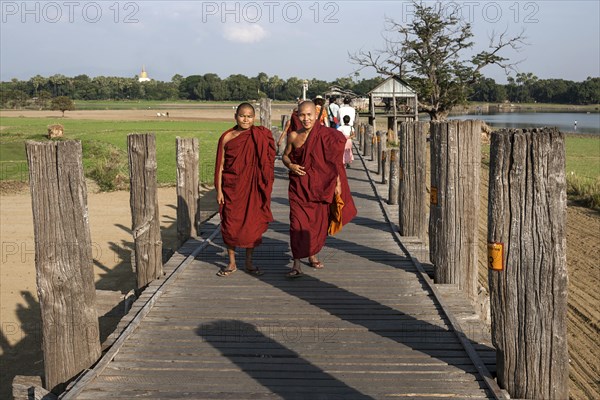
[[348, 131], [334, 107], [347, 109]]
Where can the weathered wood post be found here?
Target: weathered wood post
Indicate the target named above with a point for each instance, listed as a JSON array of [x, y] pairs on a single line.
[[413, 186], [364, 140], [63, 261], [369, 142], [373, 142], [527, 260], [144, 208], [394, 176], [385, 165], [265, 112], [188, 189], [381, 146], [454, 210], [284, 119]]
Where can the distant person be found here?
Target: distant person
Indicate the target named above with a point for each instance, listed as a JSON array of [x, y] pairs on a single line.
[[333, 110], [348, 131], [575, 125], [347, 109], [244, 175], [314, 156], [322, 117]]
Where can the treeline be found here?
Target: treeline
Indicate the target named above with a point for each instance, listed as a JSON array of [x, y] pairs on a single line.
[[38, 91], [528, 88]]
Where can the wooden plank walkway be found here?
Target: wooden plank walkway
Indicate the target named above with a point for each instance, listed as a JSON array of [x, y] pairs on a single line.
[[366, 326]]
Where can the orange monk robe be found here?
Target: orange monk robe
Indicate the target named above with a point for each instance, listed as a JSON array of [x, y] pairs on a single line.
[[247, 183], [311, 194]]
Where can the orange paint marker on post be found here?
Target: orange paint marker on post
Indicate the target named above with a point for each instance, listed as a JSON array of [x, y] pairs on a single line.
[[496, 256]]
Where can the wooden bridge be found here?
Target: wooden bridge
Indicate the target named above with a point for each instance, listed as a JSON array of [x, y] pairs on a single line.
[[370, 325]]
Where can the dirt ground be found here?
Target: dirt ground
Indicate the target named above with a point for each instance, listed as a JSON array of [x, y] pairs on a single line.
[[110, 222]]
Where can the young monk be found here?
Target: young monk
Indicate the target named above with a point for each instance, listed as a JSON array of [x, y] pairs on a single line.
[[314, 156], [244, 175]]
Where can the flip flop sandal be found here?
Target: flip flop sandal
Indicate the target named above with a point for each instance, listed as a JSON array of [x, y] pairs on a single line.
[[226, 272], [317, 264], [294, 273], [254, 272]]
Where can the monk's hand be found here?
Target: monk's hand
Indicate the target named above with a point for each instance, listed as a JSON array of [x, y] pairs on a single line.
[[297, 169], [220, 198]]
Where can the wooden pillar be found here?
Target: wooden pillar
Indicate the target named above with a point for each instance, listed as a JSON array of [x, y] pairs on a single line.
[[144, 208], [369, 142], [385, 162], [413, 186], [381, 146], [454, 210], [265, 112], [527, 239], [364, 141], [284, 119], [394, 177], [188, 189], [63, 260]]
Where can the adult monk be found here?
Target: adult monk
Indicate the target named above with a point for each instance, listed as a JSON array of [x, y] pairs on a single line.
[[244, 175], [314, 156]]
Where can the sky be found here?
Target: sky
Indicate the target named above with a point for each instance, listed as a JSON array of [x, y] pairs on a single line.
[[305, 39]]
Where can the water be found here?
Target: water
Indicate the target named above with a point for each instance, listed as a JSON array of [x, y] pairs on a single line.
[[564, 121]]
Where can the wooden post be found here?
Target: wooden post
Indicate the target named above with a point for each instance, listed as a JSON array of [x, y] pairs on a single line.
[[394, 177], [413, 186], [63, 261], [454, 210], [369, 142], [188, 189], [527, 239], [381, 144], [265, 112], [284, 119], [363, 142], [385, 157], [372, 142], [144, 208]]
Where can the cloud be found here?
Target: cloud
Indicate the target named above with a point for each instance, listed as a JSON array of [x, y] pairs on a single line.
[[245, 33]]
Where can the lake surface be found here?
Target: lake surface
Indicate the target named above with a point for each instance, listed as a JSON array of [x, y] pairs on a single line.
[[564, 121]]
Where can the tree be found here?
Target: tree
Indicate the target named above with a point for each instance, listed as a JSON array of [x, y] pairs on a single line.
[[62, 103], [429, 53]]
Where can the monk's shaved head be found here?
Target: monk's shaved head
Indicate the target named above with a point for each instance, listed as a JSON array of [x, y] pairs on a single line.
[[306, 103]]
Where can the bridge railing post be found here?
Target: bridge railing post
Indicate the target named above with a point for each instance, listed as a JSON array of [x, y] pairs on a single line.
[[381, 146], [144, 208], [265, 112], [413, 186], [385, 165], [63, 260], [527, 261], [454, 208], [394, 176], [188, 189]]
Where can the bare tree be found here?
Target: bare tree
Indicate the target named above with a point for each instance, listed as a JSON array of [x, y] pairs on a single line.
[[428, 52]]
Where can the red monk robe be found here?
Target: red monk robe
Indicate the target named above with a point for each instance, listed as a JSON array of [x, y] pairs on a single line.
[[247, 183], [310, 195]]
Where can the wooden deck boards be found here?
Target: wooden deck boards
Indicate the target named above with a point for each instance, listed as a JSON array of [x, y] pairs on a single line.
[[366, 326]]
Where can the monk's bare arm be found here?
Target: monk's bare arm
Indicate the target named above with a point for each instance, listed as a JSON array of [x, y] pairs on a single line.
[[285, 132], [219, 182], [295, 168]]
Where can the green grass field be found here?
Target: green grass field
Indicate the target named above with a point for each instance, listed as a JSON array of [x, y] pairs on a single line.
[[108, 139], [105, 150]]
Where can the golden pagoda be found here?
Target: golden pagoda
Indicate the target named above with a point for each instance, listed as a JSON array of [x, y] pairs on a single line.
[[143, 75]]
